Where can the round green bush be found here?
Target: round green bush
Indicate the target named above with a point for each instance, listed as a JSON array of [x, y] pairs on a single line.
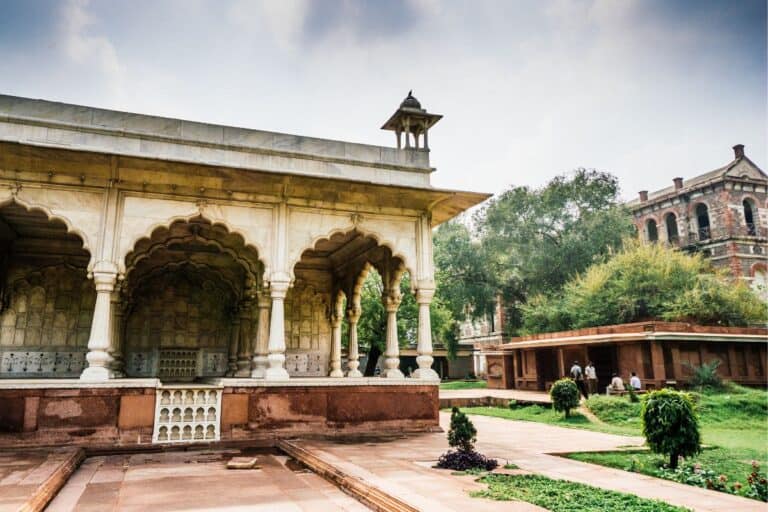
[[565, 396], [670, 424]]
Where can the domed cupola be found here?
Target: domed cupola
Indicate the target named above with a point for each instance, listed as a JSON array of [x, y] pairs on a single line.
[[413, 121]]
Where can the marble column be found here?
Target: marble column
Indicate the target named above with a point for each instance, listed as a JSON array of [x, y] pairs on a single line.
[[104, 276], [424, 337], [245, 344], [391, 299], [336, 319], [234, 341], [276, 346], [353, 316], [118, 312], [260, 349]]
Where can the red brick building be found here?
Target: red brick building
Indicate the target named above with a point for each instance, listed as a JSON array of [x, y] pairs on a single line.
[[661, 353], [723, 214]]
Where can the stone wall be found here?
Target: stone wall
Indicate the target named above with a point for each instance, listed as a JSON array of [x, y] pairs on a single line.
[[112, 416], [44, 327]]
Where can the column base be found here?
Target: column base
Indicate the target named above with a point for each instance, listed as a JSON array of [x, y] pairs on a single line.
[[96, 374], [392, 373], [354, 374], [425, 374], [276, 374], [258, 373], [336, 374]]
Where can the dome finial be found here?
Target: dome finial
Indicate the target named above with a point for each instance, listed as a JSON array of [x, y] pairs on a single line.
[[410, 101]]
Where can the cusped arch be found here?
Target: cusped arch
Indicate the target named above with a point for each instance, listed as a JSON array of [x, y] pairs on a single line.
[[87, 244], [158, 227], [178, 265], [381, 241], [247, 253]]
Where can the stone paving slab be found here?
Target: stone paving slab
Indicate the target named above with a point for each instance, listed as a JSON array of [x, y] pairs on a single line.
[[28, 478], [404, 466], [196, 480]]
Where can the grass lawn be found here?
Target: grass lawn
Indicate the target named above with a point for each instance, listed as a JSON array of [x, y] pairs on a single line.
[[545, 414], [564, 496], [734, 425], [464, 384]]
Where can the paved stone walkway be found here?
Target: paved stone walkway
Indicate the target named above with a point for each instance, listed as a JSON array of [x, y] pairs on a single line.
[[403, 466], [23, 472], [539, 397], [196, 481]]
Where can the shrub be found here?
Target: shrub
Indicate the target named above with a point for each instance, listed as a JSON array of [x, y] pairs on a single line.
[[646, 281], [758, 485], [462, 434], [705, 376], [463, 461], [670, 425], [632, 395], [565, 396]]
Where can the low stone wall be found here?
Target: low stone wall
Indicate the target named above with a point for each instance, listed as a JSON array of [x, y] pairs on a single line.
[[124, 416]]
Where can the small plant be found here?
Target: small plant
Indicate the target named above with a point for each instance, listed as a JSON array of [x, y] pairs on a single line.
[[705, 376], [565, 396], [512, 404], [633, 395], [758, 485], [510, 465], [462, 436], [670, 425]]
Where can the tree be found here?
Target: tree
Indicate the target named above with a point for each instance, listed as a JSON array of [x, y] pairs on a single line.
[[465, 287], [535, 240], [565, 396], [642, 282], [670, 424], [372, 326]]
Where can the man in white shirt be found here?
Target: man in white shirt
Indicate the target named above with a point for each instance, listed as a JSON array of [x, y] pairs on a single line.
[[634, 382], [591, 374], [578, 376]]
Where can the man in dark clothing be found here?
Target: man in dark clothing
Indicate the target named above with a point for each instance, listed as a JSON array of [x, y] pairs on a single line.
[[578, 376]]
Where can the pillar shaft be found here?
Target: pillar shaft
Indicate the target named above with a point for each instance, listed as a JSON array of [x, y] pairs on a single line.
[[391, 299], [353, 363], [424, 337], [244, 344], [104, 277], [261, 349], [276, 369], [336, 346], [234, 341]]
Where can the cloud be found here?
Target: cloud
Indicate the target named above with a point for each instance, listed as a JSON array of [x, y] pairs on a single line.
[[283, 19], [83, 48]]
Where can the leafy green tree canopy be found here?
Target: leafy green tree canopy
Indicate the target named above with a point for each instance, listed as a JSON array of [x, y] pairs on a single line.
[[535, 240], [643, 282], [670, 424]]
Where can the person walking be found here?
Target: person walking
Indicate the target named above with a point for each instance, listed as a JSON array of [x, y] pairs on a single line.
[[591, 374], [578, 376]]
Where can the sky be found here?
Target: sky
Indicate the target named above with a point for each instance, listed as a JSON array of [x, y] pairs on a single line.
[[644, 89]]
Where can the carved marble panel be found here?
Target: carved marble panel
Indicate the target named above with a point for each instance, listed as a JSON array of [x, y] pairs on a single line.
[[37, 363]]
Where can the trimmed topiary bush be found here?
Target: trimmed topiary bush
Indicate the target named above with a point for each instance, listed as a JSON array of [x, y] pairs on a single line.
[[670, 424], [565, 396], [462, 436]]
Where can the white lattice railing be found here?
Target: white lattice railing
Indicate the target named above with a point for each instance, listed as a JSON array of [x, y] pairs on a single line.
[[187, 414]]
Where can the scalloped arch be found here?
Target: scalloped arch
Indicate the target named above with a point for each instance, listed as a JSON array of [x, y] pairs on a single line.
[[70, 227], [174, 265], [380, 241], [166, 224]]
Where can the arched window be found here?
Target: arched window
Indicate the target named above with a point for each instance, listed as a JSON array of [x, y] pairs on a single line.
[[749, 217], [702, 222], [671, 224], [651, 230]]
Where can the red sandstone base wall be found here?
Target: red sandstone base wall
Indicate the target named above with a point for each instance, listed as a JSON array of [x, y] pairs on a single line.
[[106, 417]]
